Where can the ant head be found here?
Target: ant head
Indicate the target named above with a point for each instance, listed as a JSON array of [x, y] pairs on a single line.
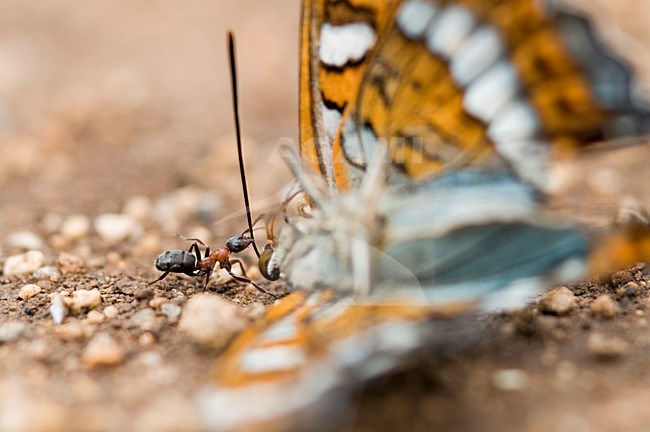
[[238, 243]]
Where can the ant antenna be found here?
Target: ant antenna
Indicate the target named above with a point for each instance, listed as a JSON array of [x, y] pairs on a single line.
[[240, 153]]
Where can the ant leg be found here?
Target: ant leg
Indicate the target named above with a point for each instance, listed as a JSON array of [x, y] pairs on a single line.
[[163, 276], [196, 251], [245, 278], [207, 279], [241, 266]]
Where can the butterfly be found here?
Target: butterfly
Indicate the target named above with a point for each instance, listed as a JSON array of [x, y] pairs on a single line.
[[427, 129]]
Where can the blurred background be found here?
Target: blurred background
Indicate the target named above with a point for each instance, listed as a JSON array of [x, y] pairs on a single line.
[[100, 101]]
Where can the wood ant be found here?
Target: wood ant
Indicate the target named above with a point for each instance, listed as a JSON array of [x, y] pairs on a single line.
[[191, 263]]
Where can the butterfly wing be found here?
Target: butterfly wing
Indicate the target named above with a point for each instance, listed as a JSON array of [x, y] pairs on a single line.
[[492, 85]]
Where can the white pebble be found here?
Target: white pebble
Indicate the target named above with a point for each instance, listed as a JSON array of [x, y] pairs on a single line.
[[604, 307], [146, 320], [102, 350], [171, 311], [27, 262], [95, 317], [75, 227], [71, 331], [52, 222], [607, 347], [139, 207], [558, 301], [211, 321], [510, 379], [111, 312], [25, 240], [83, 300], [114, 228], [48, 272], [11, 331], [58, 309], [28, 291]]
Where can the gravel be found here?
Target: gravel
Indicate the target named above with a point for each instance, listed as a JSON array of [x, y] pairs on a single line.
[[11, 331], [84, 300], [103, 350], [114, 228], [211, 321], [559, 301], [604, 307], [28, 291], [27, 262]]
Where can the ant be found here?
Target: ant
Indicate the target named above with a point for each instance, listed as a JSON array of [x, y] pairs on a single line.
[[191, 263]]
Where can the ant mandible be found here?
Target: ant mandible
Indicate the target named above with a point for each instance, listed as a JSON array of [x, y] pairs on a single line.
[[191, 263]]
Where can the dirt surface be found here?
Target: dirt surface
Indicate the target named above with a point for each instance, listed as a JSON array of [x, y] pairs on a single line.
[[122, 108]]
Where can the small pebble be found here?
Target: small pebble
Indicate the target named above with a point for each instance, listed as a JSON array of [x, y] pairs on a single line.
[[39, 349], [28, 291], [95, 317], [84, 300], [52, 222], [48, 272], [102, 350], [70, 264], [621, 277], [111, 312], [146, 339], [211, 321], [25, 240], [559, 301], [27, 262], [604, 307], [139, 207], [58, 309], [171, 311], [114, 228], [607, 347], [71, 331], [11, 331], [127, 286], [146, 320], [143, 293], [510, 379], [630, 289], [157, 302], [75, 227]]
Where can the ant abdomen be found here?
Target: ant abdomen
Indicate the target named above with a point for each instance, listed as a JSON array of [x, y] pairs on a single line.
[[176, 261]]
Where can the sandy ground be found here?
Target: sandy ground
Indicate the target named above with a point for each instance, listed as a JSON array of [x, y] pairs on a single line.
[[123, 108]]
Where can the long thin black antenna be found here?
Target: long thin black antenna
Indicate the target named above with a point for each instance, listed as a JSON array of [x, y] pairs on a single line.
[[240, 153]]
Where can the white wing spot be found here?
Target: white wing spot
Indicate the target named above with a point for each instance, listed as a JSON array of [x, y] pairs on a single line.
[[480, 51], [449, 30], [491, 91], [414, 16], [344, 44]]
